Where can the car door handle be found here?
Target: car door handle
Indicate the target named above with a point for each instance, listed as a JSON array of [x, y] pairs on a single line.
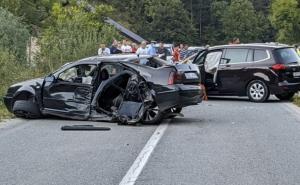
[[224, 66]]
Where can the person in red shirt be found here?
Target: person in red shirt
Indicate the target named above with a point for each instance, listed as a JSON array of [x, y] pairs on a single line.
[[134, 47], [176, 54]]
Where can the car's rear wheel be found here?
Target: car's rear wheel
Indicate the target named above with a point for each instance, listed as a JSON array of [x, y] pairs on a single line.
[[152, 115], [258, 91], [26, 109], [285, 96], [174, 110]]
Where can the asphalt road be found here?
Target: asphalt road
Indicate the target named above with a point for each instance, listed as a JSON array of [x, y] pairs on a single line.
[[221, 141]]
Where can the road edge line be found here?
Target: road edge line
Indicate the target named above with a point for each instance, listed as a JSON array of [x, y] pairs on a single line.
[[143, 157]]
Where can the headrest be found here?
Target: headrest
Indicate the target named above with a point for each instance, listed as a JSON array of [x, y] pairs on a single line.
[[104, 74]]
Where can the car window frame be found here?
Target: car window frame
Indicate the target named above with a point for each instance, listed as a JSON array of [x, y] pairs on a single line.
[[110, 63], [239, 63], [248, 62], [268, 55], [77, 83]]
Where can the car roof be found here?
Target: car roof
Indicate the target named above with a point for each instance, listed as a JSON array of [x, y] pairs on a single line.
[[112, 58], [270, 45], [196, 48]]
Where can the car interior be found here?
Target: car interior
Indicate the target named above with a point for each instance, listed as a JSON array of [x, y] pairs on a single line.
[[79, 74], [119, 88]]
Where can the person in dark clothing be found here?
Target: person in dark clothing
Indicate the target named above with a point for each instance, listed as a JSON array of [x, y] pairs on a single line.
[[162, 51], [114, 48]]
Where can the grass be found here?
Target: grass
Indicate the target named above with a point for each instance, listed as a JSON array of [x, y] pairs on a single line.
[[296, 100], [4, 113]]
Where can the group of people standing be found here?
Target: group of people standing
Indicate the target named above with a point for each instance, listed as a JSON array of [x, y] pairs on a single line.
[[125, 46], [179, 52]]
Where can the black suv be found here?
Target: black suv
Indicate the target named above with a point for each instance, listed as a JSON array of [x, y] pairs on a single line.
[[255, 70]]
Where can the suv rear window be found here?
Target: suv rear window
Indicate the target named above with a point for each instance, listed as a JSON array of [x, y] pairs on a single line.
[[286, 56]]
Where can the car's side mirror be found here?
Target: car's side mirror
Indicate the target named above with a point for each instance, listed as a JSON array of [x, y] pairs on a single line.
[[225, 60], [50, 78]]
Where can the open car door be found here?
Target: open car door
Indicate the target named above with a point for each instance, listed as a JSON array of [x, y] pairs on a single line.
[[69, 94], [124, 96]]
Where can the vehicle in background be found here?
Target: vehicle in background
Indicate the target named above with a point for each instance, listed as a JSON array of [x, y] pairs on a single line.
[[195, 49], [192, 53], [110, 88], [253, 70], [169, 48]]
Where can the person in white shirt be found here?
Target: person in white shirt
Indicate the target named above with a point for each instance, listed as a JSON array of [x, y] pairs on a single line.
[[126, 48], [103, 50], [142, 50]]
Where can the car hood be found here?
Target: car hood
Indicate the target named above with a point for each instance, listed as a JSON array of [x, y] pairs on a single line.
[[32, 82]]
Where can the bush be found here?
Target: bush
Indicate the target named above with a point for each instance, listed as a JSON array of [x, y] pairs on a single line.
[[11, 71], [74, 34], [13, 35]]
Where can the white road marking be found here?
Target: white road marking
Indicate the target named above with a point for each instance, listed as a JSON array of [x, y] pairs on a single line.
[[143, 157]]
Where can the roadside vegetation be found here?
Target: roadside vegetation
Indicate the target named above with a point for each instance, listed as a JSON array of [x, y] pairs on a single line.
[[66, 30], [296, 100]]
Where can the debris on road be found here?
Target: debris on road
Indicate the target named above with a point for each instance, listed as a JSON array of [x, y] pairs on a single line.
[[83, 127]]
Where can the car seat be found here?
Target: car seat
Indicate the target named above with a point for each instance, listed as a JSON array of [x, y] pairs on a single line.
[[104, 74]]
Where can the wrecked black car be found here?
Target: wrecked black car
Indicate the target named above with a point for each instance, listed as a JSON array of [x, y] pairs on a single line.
[[111, 88]]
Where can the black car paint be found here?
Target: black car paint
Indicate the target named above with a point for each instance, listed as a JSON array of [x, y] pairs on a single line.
[[233, 79], [78, 101]]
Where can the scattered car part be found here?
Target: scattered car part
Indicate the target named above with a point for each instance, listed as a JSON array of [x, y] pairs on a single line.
[[84, 128]]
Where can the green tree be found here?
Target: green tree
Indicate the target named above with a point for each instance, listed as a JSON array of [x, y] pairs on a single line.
[[14, 35], [285, 18], [242, 21], [33, 13], [167, 20], [213, 32], [74, 33]]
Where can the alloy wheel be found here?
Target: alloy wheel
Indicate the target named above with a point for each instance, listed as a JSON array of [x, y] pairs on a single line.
[[257, 91], [151, 113]]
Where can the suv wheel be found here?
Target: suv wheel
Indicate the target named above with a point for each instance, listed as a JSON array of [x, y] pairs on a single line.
[[258, 91], [285, 96]]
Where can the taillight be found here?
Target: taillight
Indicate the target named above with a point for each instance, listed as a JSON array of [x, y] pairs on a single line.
[[171, 78], [278, 67], [175, 77]]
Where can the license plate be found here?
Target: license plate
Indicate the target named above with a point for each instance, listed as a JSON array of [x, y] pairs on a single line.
[[296, 74], [191, 76]]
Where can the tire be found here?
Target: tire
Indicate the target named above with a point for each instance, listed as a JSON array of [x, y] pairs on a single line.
[[152, 116], [258, 91], [285, 96], [26, 109], [174, 110]]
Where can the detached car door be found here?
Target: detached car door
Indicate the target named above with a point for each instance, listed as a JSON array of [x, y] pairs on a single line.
[[69, 94]]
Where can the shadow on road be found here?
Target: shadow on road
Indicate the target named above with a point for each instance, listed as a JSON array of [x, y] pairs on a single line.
[[240, 99]]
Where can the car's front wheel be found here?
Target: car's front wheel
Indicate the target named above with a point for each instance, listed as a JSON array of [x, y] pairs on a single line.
[[285, 96], [258, 91], [26, 109]]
